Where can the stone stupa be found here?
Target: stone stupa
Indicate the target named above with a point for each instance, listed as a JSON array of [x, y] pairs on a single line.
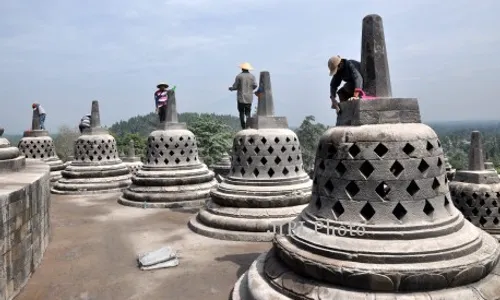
[[476, 191], [381, 178], [222, 167], [133, 162], [37, 144], [267, 185], [96, 167], [172, 176]]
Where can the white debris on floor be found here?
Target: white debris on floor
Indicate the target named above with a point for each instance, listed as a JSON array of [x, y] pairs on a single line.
[[162, 258]]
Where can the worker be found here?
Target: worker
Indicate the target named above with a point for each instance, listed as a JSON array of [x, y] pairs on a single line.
[[161, 98], [85, 123], [244, 84], [348, 71], [41, 114]]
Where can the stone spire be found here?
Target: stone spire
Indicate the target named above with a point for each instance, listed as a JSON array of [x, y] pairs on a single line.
[[476, 157], [35, 121], [374, 63], [95, 120], [265, 107], [375, 70], [172, 116], [131, 149]]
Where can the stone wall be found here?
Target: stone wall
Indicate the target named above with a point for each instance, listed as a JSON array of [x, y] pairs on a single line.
[[24, 226]]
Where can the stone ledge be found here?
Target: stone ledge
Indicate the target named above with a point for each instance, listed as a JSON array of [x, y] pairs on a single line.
[[12, 165], [264, 122], [477, 177], [379, 111], [24, 226]]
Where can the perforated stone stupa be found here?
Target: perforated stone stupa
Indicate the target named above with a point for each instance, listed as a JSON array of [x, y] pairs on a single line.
[[476, 191], [96, 167], [222, 167], [267, 185], [37, 144], [173, 175], [402, 237], [133, 162]]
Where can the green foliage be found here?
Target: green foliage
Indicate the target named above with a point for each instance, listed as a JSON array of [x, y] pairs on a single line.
[[123, 142], [64, 141], [214, 137], [309, 134], [455, 139]]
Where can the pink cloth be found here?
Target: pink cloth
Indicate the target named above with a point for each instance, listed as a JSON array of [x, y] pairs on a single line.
[[365, 96]]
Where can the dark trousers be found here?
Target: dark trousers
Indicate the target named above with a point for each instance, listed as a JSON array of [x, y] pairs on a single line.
[[346, 92], [244, 110], [42, 121], [162, 113], [83, 128]]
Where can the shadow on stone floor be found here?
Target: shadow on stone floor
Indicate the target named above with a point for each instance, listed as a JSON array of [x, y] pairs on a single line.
[[242, 260], [191, 210]]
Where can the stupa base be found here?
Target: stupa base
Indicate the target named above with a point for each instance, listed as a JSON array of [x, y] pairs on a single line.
[[91, 185], [56, 166], [177, 204], [168, 192], [242, 223], [287, 285]]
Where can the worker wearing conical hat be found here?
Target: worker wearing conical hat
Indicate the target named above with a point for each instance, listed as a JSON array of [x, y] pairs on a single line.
[[346, 70], [244, 84], [161, 100]]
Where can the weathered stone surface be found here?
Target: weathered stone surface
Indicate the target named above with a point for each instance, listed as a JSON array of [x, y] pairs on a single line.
[[380, 225], [266, 186], [476, 191], [24, 218], [222, 167], [37, 144], [172, 175], [265, 118], [374, 62], [378, 111], [133, 162], [96, 167]]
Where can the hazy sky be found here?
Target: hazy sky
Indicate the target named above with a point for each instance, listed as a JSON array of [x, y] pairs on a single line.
[[66, 53]]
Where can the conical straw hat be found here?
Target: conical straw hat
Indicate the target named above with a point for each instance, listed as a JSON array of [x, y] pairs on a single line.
[[246, 66]]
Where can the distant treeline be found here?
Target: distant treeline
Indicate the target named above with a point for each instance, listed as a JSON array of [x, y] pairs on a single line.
[[216, 131]]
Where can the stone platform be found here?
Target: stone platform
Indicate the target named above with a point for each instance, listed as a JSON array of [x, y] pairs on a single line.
[[173, 175], [96, 167], [25, 222]]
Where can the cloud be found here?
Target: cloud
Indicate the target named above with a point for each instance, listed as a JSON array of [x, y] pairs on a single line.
[[117, 50]]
